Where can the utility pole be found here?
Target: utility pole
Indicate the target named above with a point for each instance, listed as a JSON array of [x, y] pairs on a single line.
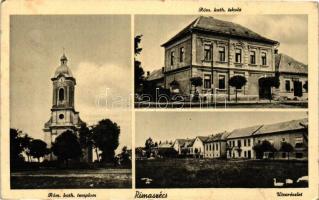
[[212, 67]]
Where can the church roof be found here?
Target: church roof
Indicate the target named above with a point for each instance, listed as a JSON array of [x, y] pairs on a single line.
[[63, 69]]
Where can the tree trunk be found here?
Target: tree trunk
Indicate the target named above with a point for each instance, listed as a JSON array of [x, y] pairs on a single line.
[[236, 94], [97, 154]]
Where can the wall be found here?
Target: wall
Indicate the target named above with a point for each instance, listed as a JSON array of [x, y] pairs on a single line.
[[198, 144], [175, 47], [291, 77], [244, 148], [182, 77]]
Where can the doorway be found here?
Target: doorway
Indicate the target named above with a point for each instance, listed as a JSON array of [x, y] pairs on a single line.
[[297, 88]]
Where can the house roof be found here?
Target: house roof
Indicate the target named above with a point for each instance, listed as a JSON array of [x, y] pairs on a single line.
[[282, 126], [164, 145], [217, 137], [183, 141], [188, 143], [244, 132], [156, 74], [202, 138], [217, 26], [285, 63]]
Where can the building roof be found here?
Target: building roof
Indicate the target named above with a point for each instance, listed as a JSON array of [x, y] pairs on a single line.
[[217, 26], [202, 138], [187, 142], [282, 126], [155, 75], [244, 132], [164, 145], [63, 69], [285, 63]]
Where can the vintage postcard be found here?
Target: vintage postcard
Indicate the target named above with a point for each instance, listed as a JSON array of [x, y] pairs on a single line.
[[159, 100]]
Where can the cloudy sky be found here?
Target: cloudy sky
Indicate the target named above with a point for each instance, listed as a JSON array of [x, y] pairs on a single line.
[[99, 53], [174, 125], [290, 30]]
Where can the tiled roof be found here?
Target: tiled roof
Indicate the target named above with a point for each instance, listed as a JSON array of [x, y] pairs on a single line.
[[282, 126], [244, 132], [156, 74], [213, 25], [285, 63]]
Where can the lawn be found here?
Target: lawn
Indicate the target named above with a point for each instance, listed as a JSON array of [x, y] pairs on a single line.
[[54, 179], [204, 173]]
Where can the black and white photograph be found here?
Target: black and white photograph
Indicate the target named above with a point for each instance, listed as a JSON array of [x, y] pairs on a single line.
[[234, 149], [70, 119], [221, 61]]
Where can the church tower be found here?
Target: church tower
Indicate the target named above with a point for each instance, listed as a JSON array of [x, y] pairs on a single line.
[[63, 115]]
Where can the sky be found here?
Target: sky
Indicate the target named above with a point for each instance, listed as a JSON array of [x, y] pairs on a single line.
[[290, 30], [162, 126], [98, 48]]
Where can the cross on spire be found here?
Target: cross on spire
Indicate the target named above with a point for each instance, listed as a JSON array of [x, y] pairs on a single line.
[[63, 59]]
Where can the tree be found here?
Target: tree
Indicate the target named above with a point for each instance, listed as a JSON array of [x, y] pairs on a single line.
[[138, 70], [16, 147], [26, 142], [268, 83], [106, 137], [286, 147], [149, 144], [196, 82], [85, 139], [67, 146], [38, 149], [238, 82], [261, 148], [125, 157]]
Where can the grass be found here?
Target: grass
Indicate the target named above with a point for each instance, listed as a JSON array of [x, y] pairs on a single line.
[[195, 173], [52, 179]]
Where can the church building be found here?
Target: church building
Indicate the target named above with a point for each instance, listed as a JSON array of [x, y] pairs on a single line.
[[63, 114]]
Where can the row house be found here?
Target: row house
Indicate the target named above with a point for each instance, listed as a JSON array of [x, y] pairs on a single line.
[[216, 50], [240, 143], [293, 76], [215, 145]]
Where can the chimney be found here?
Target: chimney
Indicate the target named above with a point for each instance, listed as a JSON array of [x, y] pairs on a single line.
[[276, 51], [148, 73]]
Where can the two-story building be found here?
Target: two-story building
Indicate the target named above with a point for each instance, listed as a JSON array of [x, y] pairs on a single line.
[[216, 50], [240, 142], [215, 145]]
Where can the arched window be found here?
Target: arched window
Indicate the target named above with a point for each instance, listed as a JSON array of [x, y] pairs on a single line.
[[61, 94]]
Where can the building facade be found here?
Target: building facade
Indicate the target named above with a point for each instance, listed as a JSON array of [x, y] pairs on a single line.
[[293, 76], [293, 132], [240, 142], [215, 146], [198, 146], [216, 50]]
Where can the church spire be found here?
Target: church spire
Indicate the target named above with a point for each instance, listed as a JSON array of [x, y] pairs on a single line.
[[63, 59]]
